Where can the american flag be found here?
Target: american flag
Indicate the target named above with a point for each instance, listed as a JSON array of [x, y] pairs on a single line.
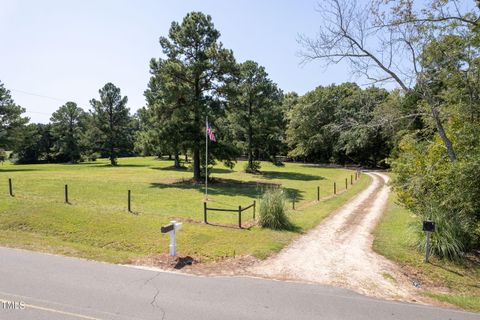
[[211, 135]]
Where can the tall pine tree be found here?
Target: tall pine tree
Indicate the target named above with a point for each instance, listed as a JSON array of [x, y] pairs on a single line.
[[67, 129], [255, 115], [110, 122], [195, 69]]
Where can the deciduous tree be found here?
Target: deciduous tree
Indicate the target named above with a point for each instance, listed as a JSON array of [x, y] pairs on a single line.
[[336, 124], [383, 41]]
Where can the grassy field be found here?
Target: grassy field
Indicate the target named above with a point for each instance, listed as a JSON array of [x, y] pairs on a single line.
[[458, 284], [96, 223]]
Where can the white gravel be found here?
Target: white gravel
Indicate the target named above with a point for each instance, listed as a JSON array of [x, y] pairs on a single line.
[[339, 251]]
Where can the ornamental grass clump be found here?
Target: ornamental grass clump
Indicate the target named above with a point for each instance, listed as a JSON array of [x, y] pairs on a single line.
[[273, 213]]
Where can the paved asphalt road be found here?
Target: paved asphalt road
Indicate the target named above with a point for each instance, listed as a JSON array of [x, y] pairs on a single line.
[[55, 287]]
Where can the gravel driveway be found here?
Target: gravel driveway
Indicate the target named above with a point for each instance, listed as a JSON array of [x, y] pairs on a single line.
[[339, 251]]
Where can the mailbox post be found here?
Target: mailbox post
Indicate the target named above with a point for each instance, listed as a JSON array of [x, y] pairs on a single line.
[[428, 227], [171, 230]]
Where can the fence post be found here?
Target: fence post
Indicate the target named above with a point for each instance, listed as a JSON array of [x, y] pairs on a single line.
[[351, 179], [129, 206], [254, 205], [240, 217], [346, 183], [318, 193], [334, 188], [10, 187], [293, 203], [205, 212], [66, 193]]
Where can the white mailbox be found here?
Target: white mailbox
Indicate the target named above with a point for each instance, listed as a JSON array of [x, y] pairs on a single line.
[[171, 229]]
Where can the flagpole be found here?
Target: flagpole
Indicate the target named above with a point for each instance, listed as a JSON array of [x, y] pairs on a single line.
[[206, 157]]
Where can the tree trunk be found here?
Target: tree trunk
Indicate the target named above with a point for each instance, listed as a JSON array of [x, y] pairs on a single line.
[[250, 138], [177, 161], [250, 161], [113, 161], [112, 156], [250, 153], [196, 165], [186, 157], [443, 135], [197, 138]]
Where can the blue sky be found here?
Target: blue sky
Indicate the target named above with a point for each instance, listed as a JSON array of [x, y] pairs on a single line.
[[67, 50]]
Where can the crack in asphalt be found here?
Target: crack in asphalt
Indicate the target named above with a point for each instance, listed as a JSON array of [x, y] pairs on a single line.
[[154, 300], [147, 281], [153, 303]]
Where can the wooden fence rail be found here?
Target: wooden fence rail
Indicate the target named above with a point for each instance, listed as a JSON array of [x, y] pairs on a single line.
[[239, 211]]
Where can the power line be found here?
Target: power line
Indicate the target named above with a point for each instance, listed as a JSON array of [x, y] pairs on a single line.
[[43, 96], [40, 95], [36, 112]]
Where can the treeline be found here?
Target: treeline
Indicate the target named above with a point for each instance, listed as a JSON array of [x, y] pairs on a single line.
[[338, 124], [199, 78], [73, 135]]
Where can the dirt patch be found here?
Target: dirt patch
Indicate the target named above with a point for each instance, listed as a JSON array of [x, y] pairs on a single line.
[[165, 262], [420, 281], [247, 224], [245, 183], [185, 220], [223, 267]]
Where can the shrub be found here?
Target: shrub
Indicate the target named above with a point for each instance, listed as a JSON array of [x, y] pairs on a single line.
[[450, 239], [273, 213], [90, 156], [447, 192], [253, 168]]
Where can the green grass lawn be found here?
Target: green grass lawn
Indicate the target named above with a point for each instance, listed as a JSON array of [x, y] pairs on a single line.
[[458, 284], [96, 223]]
